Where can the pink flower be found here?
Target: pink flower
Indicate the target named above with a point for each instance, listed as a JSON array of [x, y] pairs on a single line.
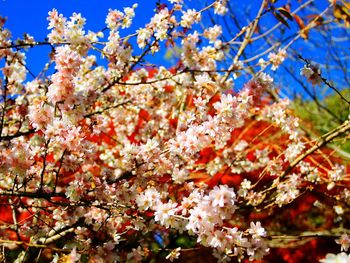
[[164, 213], [222, 196], [344, 241], [74, 256]]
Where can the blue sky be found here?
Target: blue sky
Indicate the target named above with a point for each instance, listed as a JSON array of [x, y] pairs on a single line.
[[30, 16]]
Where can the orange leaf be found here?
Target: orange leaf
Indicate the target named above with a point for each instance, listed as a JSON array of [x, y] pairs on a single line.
[[304, 33], [299, 21], [281, 19], [285, 13], [342, 13]]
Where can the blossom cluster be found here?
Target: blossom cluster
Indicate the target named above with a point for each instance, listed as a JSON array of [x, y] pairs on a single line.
[[113, 155]]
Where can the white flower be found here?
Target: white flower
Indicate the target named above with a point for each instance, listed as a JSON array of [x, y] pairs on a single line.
[[219, 240], [256, 230], [306, 71], [245, 186], [277, 59], [148, 199], [176, 1], [212, 33], [312, 73], [344, 241], [240, 146], [143, 36], [262, 63], [190, 17], [338, 209], [55, 259], [136, 255], [222, 196], [220, 7], [293, 150], [202, 79], [339, 258], [164, 212], [225, 106], [179, 175], [199, 220], [336, 173], [174, 254], [264, 79]]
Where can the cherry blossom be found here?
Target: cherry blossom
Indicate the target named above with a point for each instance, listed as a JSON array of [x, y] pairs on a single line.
[[116, 157]]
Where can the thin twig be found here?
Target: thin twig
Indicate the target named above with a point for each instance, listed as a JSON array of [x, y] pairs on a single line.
[[322, 141]]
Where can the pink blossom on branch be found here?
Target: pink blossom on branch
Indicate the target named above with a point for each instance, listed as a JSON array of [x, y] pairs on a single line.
[[112, 155]]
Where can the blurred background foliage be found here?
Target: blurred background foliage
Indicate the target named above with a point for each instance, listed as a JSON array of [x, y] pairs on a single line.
[[322, 116]]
